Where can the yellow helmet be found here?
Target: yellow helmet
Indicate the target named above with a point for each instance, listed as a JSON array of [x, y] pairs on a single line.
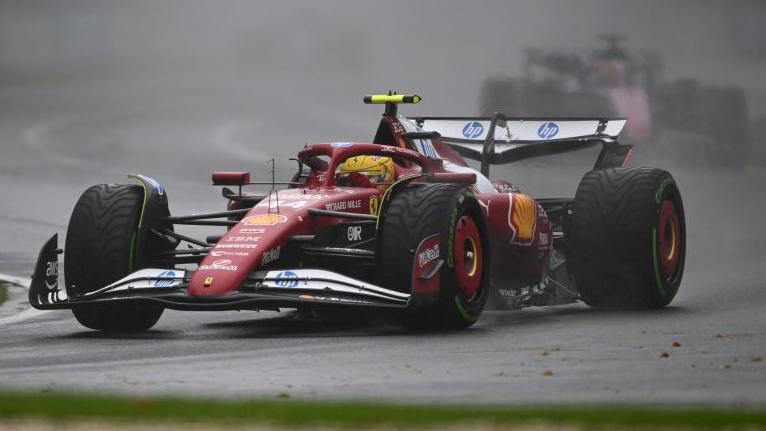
[[379, 170]]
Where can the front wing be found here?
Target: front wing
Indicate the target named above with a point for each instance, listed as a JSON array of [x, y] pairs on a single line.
[[263, 290]]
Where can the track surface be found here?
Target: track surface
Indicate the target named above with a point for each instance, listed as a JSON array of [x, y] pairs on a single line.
[[56, 142]]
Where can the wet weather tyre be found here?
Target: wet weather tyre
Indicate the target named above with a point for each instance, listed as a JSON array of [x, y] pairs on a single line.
[[626, 242], [100, 249], [421, 211]]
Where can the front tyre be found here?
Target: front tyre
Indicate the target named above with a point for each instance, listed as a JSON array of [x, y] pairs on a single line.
[[417, 213], [626, 244], [100, 249]]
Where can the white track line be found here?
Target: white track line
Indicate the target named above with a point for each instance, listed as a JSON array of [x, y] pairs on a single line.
[[18, 281], [27, 314]]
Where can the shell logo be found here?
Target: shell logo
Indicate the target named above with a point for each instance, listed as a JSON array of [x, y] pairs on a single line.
[[264, 219], [522, 217]]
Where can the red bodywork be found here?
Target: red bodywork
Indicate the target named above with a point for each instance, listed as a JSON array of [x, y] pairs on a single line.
[[519, 228]]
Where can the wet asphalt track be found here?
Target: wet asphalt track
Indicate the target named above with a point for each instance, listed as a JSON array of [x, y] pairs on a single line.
[[56, 142]]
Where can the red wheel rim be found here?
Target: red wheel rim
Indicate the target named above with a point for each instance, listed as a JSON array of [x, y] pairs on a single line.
[[669, 236], [468, 257]]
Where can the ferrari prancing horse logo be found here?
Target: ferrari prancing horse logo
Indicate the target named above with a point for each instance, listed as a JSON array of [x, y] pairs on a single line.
[[522, 217]]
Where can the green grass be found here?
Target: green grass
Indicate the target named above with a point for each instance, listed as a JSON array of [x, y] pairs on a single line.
[[61, 406], [3, 292]]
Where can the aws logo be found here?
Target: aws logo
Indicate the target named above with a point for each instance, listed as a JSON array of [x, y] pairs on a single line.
[[522, 217]]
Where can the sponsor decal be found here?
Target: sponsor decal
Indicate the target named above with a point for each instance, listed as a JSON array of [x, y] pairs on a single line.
[[406, 151], [283, 196], [253, 230], [242, 239], [220, 265], [341, 144], [354, 233], [218, 253], [428, 255], [548, 130], [264, 220], [389, 149], [270, 256], [52, 274], [522, 216], [286, 279], [249, 246], [397, 126], [473, 129], [506, 188], [374, 205], [506, 293], [166, 279], [208, 281], [342, 205], [52, 269], [425, 278], [543, 240], [156, 184]]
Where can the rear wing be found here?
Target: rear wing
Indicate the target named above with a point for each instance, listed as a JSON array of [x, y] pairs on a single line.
[[500, 140]]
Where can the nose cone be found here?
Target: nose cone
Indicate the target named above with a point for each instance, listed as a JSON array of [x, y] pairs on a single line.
[[260, 237], [257, 240]]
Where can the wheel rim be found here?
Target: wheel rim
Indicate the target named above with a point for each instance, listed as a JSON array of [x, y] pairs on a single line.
[[669, 239], [468, 257]]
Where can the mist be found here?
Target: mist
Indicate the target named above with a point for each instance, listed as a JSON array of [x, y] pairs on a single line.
[[91, 91]]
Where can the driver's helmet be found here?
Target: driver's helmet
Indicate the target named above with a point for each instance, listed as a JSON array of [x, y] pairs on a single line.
[[371, 171]]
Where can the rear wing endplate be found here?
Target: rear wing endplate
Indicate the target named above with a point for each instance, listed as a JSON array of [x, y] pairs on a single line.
[[500, 140]]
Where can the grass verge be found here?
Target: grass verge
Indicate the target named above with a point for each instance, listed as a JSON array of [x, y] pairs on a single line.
[[3, 292], [63, 406]]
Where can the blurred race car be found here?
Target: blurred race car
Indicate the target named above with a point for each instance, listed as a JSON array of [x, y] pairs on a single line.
[[684, 119], [401, 224]]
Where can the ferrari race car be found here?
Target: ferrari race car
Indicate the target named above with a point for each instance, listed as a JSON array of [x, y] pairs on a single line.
[[402, 224]]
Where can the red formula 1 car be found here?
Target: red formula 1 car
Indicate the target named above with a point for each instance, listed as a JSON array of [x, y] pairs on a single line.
[[400, 224]]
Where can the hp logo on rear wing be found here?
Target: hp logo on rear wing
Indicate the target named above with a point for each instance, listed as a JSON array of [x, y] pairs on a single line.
[[548, 130]]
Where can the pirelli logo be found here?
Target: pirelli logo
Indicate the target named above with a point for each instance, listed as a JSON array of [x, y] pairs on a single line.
[[522, 217]]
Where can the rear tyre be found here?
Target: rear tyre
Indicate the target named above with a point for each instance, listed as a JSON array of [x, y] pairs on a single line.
[[626, 243], [419, 212], [100, 249]]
